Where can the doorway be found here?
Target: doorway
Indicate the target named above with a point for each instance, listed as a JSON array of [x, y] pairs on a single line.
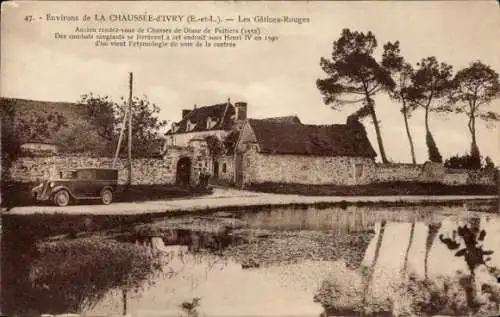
[[216, 169], [183, 175]]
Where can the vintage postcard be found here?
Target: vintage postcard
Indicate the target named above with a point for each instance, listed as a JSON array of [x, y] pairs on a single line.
[[248, 158]]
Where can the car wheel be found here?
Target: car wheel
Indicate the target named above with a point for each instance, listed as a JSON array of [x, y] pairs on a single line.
[[107, 196], [61, 198]]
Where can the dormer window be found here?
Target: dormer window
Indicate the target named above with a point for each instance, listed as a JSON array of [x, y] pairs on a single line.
[[211, 123], [190, 125], [175, 127]]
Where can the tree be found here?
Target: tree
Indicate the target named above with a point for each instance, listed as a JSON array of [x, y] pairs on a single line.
[[100, 113], [38, 127], [10, 143], [82, 136], [431, 85], [146, 126], [402, 73], [215, 146], [352, 70], [475, 86]]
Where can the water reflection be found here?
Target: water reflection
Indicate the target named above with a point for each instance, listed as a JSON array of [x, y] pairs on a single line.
[[273, 262]]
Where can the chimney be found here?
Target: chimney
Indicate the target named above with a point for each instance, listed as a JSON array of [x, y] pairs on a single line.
[[241, 110], [185, 112]]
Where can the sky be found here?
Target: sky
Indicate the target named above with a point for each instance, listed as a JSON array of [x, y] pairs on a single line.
[[275, 78]]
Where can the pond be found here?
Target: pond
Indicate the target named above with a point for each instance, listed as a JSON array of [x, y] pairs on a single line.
[[350, 261]]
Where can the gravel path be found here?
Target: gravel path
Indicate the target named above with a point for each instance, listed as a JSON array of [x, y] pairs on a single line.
[[222, 197]]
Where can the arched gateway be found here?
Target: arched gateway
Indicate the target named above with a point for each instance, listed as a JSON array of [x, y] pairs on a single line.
[[183, 175]]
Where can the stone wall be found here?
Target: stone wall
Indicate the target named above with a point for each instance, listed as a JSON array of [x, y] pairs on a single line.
[[259, 168], [172, 156], [396, 173], [430, 172], [145, 171], [481, 177], [455, 178]]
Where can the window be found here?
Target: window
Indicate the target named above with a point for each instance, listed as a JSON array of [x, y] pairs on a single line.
[[211, 123], [224, 168], [358, 170], [175, 127], [85, 175], [67, 174], [190, 125]]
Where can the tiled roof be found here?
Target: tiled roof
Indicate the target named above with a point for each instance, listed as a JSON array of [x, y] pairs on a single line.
[[285, 119], [219, 116], [275, 137]]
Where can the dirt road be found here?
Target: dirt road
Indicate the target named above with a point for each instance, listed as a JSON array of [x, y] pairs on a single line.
[[222, 197]]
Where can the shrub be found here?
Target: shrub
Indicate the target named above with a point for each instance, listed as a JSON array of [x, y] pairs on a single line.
[[488, 164], [341, 292], [71, 275], [467, 161]]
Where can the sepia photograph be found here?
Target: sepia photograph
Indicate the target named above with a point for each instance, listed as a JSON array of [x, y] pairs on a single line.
[[250, 158]]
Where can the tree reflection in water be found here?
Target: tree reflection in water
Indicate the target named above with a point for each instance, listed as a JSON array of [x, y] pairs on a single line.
[[468, 243], [345, 293], [190, 308]]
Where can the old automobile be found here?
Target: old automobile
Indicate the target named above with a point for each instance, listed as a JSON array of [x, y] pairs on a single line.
[[78, 184]]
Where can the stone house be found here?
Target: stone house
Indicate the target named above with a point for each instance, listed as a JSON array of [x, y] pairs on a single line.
[[211, 132], [281, 150], [197, 123], [240, 151]]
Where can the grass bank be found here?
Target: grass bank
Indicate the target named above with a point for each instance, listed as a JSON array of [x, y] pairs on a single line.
[[70, 275], [378, 189], [19, 194]]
